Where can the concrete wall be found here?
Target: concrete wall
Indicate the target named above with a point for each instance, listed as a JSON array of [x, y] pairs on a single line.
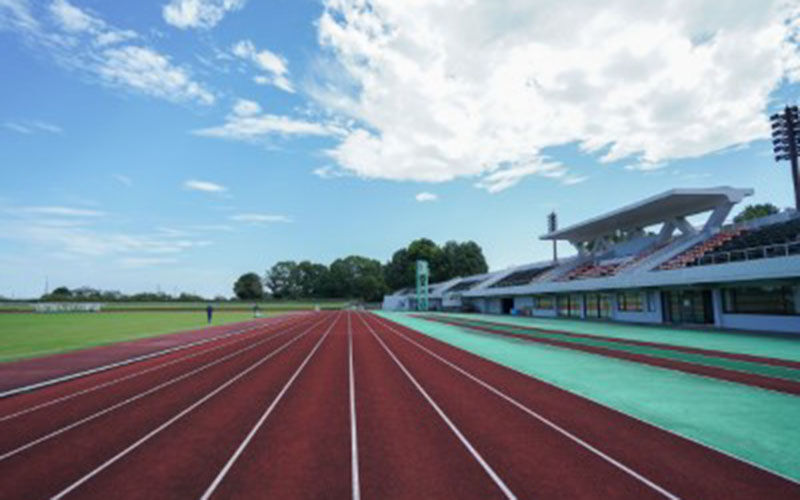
[[756, 322]]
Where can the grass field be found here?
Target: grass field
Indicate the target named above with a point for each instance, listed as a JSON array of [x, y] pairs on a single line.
[[25, 335], [267, 306]]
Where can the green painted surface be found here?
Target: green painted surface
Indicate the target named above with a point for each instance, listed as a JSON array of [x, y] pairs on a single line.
[[753, 424], [781, 347], [700, 359], [29, 335]]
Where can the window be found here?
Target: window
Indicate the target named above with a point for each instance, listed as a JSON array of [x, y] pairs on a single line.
[[543, 302], [761, 300], [651, 301], [563, 305], [630, 302]]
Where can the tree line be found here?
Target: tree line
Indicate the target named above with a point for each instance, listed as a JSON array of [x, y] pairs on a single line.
[[358, 277]]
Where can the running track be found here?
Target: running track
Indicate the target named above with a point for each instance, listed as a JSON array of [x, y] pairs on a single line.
[[344, 405]]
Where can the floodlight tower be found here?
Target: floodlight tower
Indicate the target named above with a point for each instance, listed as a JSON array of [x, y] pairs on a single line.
[[422, 285], [786, 142], [552, 225]]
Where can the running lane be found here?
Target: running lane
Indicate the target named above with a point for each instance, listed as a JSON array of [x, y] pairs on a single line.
[[772, 374], [549, 443], [298, 444], [73, 457], [405, 449]]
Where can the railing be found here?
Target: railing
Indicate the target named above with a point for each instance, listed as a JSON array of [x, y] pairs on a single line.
[[750, 253]]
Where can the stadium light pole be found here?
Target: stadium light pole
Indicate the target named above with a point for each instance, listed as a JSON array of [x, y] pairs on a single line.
[[552, 225], [786, 143]]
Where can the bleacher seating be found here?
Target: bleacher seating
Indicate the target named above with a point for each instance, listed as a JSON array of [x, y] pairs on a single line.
[[518, 278], [773, 240], [463, 285], [593, 270]]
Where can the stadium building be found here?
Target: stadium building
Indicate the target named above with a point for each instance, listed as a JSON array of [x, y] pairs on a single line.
[[668, 259]]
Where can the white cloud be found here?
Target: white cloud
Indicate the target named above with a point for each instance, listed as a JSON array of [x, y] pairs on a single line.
[[273, 64], [151, 73], [74, 19], [62, 211], [80, 40], [259, 218], [252, 126], [450, 89], [33, 126], [243, 107], [205, 186], [571, 180], [329, 172], [137, 262], [198, 13], [425, 196], [18, 128], [123, 179]]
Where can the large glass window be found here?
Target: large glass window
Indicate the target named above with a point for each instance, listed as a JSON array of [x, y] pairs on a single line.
[[761, 300], [630, 302], [575, 306], [563, 305], [543, 302]]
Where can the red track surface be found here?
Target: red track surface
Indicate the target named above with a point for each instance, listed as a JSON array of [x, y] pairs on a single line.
[[270, 415], [753, 379]]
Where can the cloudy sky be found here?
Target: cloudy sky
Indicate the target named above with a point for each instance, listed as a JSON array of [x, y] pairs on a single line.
[[175, 144]]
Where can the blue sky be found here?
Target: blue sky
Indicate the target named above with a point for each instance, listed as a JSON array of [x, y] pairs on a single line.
[[176, 144]]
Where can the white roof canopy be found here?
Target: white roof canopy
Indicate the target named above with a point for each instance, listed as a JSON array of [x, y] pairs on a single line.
[[663, 207]]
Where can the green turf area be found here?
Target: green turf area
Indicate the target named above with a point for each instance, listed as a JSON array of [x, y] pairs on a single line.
[[699, 359], [781, 347], [29, 335], [756, 425], [267, 306]]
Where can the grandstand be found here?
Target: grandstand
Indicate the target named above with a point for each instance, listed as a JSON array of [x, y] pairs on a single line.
[[647, 263]]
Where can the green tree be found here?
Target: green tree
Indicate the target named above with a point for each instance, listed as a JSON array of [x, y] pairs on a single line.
[[357, 277], [462, 259], [249, 287], [282, 280], [452, 260], [311, 279], [757, 211], [398, 272]]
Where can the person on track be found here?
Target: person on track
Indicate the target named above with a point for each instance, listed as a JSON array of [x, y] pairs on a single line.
[[209, 312]]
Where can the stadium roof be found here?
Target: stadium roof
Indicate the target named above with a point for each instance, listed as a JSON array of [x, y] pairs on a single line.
[[654, 210]]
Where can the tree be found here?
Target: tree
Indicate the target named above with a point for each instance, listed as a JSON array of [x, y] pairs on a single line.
[[757, 211], [452, 260], [311, 279], [249, 287], [357, 277], [61, 292], [398, 272], [462, 259], [282, 280]]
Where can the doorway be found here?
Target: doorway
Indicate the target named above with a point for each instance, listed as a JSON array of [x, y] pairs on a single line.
[[507, 305], [687, 306]]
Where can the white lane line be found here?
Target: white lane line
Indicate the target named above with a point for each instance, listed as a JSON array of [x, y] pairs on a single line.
[[135, 359], [356, 485], [222, 473], [486, 467], [115, 381], [131, 399], [669, 431], [180, 415], [537, 416]]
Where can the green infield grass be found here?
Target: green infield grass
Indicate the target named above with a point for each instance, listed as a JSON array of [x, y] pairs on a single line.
[[264, 306], [27, 335]]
